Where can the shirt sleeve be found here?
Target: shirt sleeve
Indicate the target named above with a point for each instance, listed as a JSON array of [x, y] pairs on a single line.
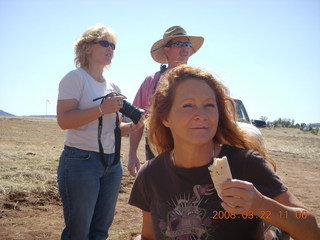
[[258, 171], [70, 87], [139, 196], [141, 98], [144, 94]]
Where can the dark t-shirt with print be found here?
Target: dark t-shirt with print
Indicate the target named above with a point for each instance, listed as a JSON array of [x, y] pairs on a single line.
[[184, 203]]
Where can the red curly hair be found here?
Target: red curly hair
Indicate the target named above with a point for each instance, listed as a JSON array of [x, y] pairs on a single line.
[[228, 132]]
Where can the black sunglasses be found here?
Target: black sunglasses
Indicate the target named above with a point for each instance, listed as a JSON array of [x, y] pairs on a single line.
[[105, 43], [179, 44]]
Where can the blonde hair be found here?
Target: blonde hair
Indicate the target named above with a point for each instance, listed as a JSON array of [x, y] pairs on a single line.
[[91, 35], [228, 132]]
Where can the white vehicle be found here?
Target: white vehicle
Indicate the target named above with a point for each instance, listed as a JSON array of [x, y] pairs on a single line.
[[243, 119]]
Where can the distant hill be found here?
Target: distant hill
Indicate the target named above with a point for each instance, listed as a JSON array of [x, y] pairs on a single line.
[[6, 114], [3, 113], [42, 116]]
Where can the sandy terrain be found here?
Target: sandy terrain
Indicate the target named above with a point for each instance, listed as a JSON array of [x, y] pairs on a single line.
[[34, 213]]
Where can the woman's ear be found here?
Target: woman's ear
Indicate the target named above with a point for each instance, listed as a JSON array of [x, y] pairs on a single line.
[[165, 122]]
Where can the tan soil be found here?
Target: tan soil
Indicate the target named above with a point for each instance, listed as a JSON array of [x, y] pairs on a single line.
[[26, 217]]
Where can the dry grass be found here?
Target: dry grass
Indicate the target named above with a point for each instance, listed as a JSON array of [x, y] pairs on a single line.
[[28, 156], [29, 200]]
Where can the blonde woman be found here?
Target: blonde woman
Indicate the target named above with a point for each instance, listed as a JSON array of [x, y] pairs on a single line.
[[90, 171]]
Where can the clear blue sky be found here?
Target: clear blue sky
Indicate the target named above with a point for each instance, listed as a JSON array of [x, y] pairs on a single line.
[[266, 51]]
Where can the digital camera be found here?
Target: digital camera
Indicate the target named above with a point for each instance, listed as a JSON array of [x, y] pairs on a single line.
[[131, 111], [127, 109]]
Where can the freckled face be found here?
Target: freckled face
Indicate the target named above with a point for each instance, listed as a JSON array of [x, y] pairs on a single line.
[[193, 118]]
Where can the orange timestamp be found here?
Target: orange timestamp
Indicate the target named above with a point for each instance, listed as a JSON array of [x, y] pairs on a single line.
[[265, 215]]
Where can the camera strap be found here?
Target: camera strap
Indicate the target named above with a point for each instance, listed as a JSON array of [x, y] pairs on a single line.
[[117, 141]]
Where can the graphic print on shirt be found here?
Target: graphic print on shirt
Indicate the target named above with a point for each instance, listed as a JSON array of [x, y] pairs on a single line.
[[187, 220]]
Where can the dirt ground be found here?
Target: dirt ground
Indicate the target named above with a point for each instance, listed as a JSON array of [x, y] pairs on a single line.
[[298, 160]]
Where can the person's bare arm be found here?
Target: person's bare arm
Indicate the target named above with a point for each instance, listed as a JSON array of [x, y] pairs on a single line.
[[147, 232], [130, 128], [70, 117], [134, 162], [293, 217], [284, 211]]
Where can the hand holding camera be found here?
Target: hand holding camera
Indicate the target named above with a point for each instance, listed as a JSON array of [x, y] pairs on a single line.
[[114, 102]]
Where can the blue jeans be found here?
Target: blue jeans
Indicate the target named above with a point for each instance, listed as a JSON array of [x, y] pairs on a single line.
[[89, 193]]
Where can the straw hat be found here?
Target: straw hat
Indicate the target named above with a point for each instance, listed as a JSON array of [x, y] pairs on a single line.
[[157, 52]]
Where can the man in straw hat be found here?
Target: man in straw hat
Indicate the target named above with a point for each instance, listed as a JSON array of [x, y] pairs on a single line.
[[173, 49]]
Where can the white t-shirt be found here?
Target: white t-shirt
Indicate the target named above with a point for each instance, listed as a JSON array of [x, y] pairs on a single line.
[[79, 85]]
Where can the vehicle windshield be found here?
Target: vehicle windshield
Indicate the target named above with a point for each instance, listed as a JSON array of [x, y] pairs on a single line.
[[241, 112]]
